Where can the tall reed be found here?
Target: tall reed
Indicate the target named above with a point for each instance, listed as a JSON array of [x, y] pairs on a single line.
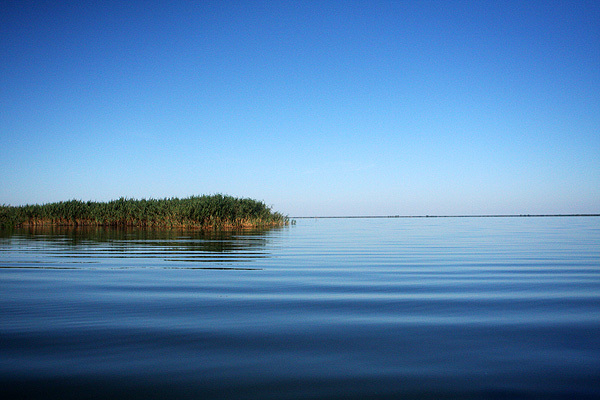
[[207, 211]]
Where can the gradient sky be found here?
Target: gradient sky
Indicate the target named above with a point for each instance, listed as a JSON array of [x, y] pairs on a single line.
[[316, 107]]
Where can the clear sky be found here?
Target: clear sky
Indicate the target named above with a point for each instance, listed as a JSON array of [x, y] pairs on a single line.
[[316, 107]]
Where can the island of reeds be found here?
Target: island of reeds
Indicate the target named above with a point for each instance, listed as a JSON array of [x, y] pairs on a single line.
[[207, 212]]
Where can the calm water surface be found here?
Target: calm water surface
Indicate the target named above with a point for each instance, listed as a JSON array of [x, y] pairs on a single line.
[[481, 308]]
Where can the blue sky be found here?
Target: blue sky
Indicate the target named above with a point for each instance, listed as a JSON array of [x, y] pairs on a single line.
[[315, 107]]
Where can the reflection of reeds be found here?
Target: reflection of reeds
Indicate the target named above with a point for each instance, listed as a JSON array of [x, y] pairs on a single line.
[[214, 211], [148, 242]]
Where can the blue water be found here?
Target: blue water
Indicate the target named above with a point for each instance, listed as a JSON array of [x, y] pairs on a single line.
[[440, 308]]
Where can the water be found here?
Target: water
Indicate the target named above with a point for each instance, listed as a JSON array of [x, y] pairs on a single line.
[[440, 308]]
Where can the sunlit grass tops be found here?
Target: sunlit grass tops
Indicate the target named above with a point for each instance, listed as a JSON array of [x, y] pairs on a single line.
[[208, 211]]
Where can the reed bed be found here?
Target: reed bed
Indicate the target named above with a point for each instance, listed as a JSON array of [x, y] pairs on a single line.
[[207, 211]]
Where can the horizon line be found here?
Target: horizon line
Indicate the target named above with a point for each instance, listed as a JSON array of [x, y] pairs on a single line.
[[452, 216]]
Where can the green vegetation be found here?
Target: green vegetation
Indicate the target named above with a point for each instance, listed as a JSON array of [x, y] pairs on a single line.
[[214, 211]]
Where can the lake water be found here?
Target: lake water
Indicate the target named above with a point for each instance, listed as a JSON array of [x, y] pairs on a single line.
[[436, 308]]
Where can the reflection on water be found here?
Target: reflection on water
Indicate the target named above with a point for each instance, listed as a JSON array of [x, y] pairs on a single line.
[[61, 247]]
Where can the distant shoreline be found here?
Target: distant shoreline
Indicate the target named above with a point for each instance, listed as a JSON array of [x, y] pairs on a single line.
[[456, 216]]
